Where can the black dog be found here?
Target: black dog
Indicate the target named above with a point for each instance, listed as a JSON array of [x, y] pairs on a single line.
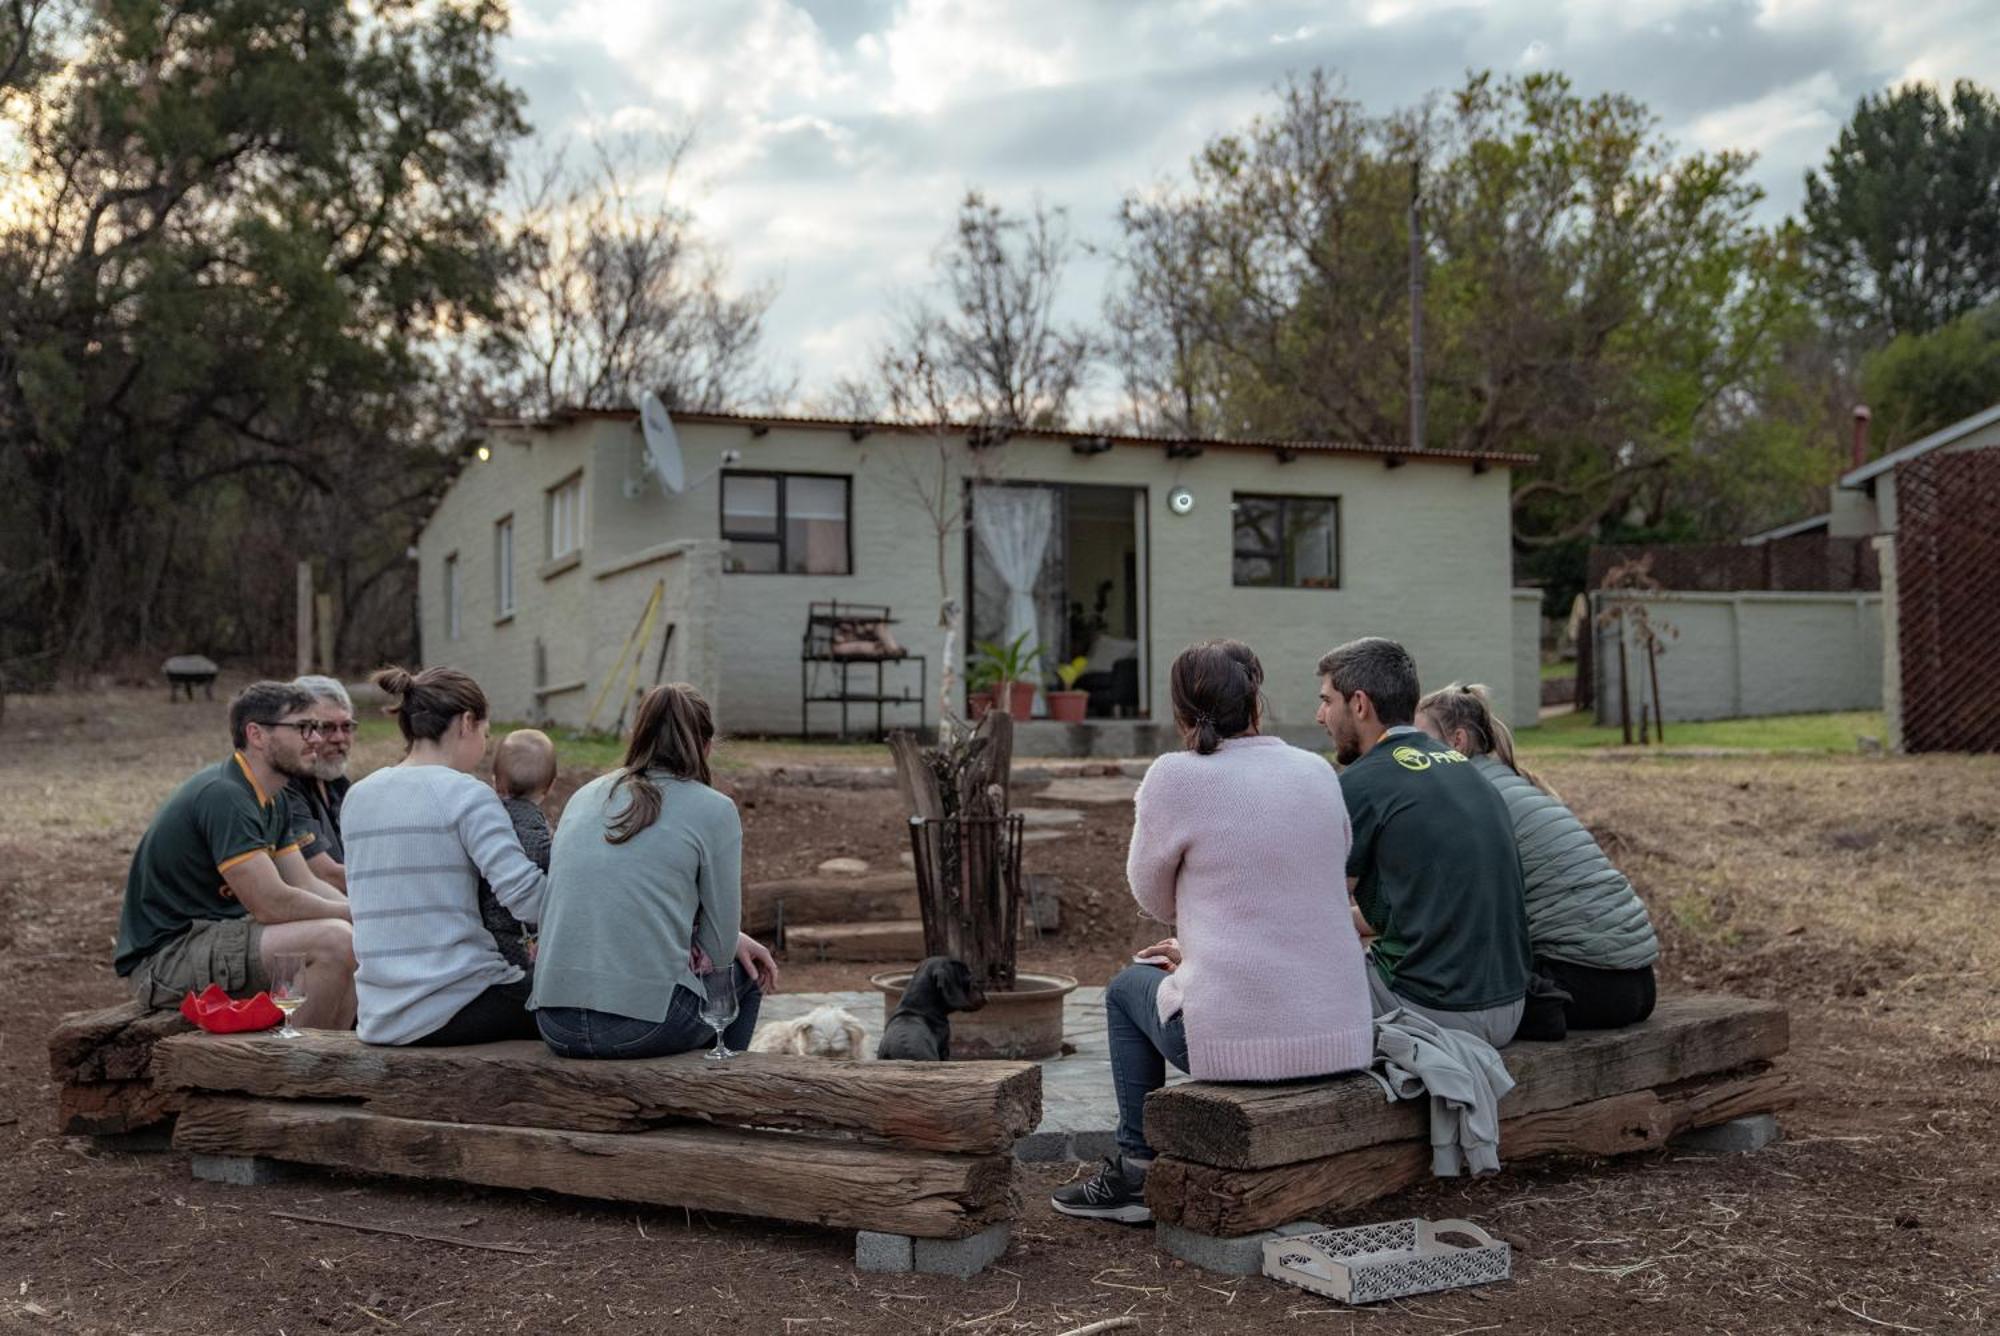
[[919, 1030]]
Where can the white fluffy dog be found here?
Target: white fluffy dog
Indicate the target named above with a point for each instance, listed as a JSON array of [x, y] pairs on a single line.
[[823, 1032]]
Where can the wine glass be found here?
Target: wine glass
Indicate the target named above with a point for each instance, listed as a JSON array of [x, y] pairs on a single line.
[[288, 990], [718, 1005]]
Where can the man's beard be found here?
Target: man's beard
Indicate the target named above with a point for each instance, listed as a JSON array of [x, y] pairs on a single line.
[[291, 767], [328, 768], [1347, 746]]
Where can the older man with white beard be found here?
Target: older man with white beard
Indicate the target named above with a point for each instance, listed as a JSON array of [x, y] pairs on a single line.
[[316, 798]]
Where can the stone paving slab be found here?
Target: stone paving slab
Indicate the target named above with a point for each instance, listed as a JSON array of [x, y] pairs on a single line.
[[1090, 790], [1079, 1112]]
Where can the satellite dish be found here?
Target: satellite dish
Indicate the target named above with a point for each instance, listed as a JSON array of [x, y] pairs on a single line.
[[663, 444], [1180, 500]]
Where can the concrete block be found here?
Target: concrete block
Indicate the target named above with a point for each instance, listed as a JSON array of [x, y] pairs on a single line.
[[1230, 1257], [1043, 1148], [243, 1171], [962, 1258], [883, 1252], [1734, 1137]]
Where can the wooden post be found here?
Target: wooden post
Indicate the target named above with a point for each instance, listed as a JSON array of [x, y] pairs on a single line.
[[1624, 683], [323, 607], [1659, 709], [305, 619]]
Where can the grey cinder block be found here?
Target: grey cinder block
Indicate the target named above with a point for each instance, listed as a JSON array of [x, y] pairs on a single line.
[[962, 1258], [243, 1171], [1734, 1137], [875, 1251], [1230, 1257]]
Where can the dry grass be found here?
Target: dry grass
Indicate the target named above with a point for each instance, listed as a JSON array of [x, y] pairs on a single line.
[[1831, 877]]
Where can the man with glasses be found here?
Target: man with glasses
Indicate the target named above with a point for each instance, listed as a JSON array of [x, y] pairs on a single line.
[[218, 888], [316, 797]]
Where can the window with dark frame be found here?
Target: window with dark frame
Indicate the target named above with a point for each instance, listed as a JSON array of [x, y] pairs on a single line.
[[787, 523], [1286, 542]]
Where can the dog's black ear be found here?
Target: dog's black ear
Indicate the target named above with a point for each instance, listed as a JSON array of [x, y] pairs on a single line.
[[955, 982]]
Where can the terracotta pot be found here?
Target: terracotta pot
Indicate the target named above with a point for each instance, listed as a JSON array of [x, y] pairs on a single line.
[[1068, 707], [1019, 700], [1024, 1023], [978, 703]]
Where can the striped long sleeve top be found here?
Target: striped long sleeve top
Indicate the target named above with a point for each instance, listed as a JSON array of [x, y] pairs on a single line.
[[419, 838]]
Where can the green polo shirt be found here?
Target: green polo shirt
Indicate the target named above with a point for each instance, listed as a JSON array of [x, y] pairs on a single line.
[[1440, 875], [217, 819]]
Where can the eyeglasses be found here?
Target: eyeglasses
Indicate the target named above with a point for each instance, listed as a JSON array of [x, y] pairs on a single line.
[[312, 728]]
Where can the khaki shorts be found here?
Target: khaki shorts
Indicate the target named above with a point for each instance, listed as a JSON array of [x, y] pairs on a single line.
[[222, 951]]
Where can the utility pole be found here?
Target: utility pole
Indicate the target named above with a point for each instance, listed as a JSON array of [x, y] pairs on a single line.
[[1416, 309]]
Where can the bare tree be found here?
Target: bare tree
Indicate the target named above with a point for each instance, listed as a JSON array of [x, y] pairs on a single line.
[[614, 290], [993, 343], [932, 478]]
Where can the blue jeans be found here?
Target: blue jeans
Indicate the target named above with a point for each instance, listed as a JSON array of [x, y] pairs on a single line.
[[1141, 1048], [578, 1032]]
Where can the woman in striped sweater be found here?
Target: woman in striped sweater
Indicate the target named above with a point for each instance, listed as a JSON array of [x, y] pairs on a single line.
[[419, 835]]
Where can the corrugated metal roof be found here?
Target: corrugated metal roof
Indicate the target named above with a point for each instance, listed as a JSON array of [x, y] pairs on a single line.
[[1787, 530], [753, 420], [1957, 430]]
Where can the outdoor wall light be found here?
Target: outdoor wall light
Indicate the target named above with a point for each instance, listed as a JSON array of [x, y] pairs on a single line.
[[1180, 500], [484, 454]]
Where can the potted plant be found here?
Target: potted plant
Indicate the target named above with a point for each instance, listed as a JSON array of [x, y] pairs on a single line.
[[979, 683], [1012, 666], [1068, 705]]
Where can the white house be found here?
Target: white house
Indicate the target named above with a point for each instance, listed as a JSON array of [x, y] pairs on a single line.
[[539, 562]]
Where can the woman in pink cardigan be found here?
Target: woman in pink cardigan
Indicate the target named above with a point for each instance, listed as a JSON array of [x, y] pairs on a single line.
[[1240, 842]]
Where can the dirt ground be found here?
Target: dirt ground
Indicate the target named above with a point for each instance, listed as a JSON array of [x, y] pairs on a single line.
[[1861, 891]]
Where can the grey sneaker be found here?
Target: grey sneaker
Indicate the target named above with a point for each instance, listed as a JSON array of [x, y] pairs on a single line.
[[1115, 1192]]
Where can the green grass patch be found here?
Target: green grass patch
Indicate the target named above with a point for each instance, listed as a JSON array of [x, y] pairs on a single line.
[[1836, 732], [1562, 668]]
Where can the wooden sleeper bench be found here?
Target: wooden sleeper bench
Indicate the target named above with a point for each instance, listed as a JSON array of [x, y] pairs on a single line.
[[915, 1157], [101, 1064], [1237, 1161]]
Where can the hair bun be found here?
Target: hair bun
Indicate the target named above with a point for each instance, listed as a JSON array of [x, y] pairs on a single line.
[[395, 681]]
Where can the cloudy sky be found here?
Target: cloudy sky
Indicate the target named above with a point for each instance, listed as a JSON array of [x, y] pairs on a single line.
[[835, 136]]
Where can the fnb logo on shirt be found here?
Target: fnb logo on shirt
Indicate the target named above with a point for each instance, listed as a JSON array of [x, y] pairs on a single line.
[[1416, 758]]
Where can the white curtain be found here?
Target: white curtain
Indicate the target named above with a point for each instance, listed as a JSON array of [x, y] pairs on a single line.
[[1013, 525]]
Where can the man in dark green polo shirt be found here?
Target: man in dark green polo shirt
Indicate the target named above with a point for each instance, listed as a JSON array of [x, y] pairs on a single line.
[[1434, 868], [218, 889]]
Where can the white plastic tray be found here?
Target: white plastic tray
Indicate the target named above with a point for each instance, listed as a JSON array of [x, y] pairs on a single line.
[[1369, 1263]]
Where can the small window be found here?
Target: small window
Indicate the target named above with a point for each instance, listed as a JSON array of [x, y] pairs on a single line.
[[503, 567], [566, 518], [786, 524], [453, 621], [1287, 541]]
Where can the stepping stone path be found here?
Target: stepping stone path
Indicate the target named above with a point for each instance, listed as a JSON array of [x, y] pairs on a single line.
[[1117, 789], [844, 867]]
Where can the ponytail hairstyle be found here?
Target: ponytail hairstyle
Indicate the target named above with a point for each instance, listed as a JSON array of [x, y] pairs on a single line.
[[672, 733], [428, 701], [1216, 688], [1468, 707]]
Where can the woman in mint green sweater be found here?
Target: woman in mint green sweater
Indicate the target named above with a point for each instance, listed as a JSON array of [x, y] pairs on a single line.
[[645, 889]]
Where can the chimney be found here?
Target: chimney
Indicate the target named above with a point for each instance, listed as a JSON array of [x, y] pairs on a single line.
[[1860, 435]]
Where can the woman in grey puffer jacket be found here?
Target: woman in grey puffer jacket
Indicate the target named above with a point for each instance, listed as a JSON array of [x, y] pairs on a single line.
[[1588, 927]]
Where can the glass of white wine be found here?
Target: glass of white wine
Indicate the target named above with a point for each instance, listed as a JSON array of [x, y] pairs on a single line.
[[288, 990], [718, 1005]]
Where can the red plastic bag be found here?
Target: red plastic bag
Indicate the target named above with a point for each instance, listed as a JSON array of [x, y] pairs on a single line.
[[219, 1013]]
